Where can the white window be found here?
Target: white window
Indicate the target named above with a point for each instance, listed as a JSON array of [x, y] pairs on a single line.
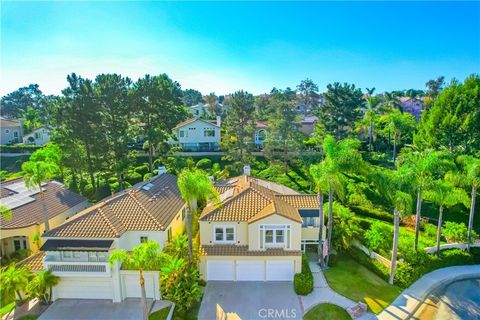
[[311, 222], [208, 132], [181, 134], [143, 239], [224, 234], [67, 254], [76, 255], [102, 256], [92, 257], [275, 235]]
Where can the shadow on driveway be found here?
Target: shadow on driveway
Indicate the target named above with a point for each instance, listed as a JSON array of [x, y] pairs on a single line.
[[251, 300]]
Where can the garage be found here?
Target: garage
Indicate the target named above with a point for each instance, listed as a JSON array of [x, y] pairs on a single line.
[[131, 286], [249, 270], [84, 288], [280, 270], [220, 270]]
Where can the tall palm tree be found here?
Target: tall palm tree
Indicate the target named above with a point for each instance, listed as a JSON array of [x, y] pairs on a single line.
[[444, 194], [42, 284], [318, 174], [471, 169], [36, 173], [371, 110], [421, 167], [341, 158], [14, 280], [146, 256], [194, 186], [390, 184]]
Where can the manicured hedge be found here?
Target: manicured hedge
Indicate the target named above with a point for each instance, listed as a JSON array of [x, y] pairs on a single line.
[[303, 282], [18, 148], [372, 213]]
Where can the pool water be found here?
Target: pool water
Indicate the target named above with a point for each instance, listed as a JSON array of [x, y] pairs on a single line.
[[457, 300]]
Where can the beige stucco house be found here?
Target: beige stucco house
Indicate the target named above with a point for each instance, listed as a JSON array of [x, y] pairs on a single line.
[[257, 233]]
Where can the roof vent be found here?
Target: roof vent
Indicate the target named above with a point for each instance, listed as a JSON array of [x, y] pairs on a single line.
[[162, 170], [246, 170]]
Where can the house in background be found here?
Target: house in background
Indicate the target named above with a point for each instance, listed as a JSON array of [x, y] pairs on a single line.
[[27, 212], [11, 131], [260, 134], [199, 110], [78, 250], [197, 134], [38, 137], [258, 233], [413, 106], [307, 124]]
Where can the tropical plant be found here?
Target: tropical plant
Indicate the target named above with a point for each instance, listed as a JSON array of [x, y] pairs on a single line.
[[177, 247], [179, 281], [444, 194], [146, 256], [421, 167], [471, 175], [379, 237], [32, 119], [316, 171], [35, 174], [346, 227], [455, 232], [41, 285], [194, 186], [372, 104], [14, 280]]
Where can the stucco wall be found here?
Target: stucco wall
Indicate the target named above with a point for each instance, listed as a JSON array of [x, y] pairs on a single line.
[[130, 239], [194, 133], [253, 231], [207, 230]]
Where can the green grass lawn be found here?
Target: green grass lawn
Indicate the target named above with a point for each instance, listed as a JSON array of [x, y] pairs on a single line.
[[357, 283], [326, 311], [160, 314], [6, 309]]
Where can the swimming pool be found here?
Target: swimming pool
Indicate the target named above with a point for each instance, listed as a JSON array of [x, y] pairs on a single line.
[[457, 300]]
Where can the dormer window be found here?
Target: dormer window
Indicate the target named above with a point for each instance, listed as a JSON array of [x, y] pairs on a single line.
[[224, 234]]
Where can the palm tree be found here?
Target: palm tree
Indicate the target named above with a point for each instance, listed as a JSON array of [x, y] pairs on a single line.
[[389, 184], [317, 173], [421, 167], [36, 173], [471, 168], [14, 280], [370, 113], [194, 186], [146, 256], [341, 157], [444, 194], [42, 284]]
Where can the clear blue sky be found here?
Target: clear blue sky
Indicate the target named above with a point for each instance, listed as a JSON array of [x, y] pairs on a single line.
[[223, 47]]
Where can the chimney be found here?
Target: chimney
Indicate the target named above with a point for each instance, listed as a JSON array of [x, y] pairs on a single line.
[[246, 170], [219, 121], [162, 170]]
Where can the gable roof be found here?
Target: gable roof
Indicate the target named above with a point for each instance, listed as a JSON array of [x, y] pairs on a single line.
[[5, 123], [251, 199], [191, 120], [58, 199], [150, 206]]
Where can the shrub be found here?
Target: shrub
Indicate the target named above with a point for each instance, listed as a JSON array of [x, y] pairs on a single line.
[[147, 176], [143, 169], [373, 213], [455, 232], [303, 282], [430, 230], [405, 274], [379, 237], [134, 177], [204, 164]]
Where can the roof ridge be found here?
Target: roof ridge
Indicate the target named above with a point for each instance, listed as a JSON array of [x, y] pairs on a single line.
[[132, 195], [103, 215]]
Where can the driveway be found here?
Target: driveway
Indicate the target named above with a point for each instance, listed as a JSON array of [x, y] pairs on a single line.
[[251, 300], [86, 309]]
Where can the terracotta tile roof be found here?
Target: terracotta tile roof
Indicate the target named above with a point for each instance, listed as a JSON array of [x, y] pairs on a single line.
[[136, 209], [254, 199], [222, 189], [302, 201], [58, 199], [34, 262], [4, 123], [236, 250]]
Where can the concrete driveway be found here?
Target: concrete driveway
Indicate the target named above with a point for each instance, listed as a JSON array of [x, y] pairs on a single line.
[[251, 300], [85, 309]]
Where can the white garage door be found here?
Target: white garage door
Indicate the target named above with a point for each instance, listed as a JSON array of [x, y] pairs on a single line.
[[250, 270], [88, 288], [280, 270], [131, 286], [220, 270]]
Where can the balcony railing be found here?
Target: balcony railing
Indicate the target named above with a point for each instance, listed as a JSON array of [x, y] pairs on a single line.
[[90, 268]]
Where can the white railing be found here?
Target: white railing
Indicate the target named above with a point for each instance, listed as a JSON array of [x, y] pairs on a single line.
[[90, 268], [386, 262], [462, 246]]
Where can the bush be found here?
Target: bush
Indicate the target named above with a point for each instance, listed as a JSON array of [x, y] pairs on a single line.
[[18, 148], [303, 282], [379, 237], [373, 213], [455, 232], [134, 177], [405, 274], [204, 164], [430, 230], [142, 170]]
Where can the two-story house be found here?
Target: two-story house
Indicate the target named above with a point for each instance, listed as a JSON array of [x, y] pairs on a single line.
[[257, 233], [197, 134], [38, 137], [10, 131], [78, 250]]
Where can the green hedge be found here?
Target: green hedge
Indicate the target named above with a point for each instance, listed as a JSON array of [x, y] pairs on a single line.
[[303, 282], [372, 213], [18, 148]]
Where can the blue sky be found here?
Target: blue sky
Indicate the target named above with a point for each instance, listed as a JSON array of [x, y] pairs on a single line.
[[223, 47]]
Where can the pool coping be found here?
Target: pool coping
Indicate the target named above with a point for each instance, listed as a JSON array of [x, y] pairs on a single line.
[[409, 301]]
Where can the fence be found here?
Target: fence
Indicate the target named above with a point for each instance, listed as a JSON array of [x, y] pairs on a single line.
[[462, 246], [372, 254]]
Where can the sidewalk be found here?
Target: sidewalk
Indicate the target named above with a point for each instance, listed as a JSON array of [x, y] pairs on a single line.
[[411, 299]]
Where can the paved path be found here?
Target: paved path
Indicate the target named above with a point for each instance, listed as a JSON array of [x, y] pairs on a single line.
[[408, 302]]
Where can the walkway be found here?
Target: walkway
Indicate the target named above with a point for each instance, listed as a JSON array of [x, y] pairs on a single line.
[[322, 292], [411, 299]]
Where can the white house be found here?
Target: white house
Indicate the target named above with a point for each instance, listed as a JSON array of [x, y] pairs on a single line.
[[197, 134], [260, 134], [78, 250], [198, 110], [38, 137], [10, 131]]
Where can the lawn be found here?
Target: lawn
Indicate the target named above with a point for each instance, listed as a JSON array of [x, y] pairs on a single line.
[[327, 311], [160, 314], [357, 283]]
